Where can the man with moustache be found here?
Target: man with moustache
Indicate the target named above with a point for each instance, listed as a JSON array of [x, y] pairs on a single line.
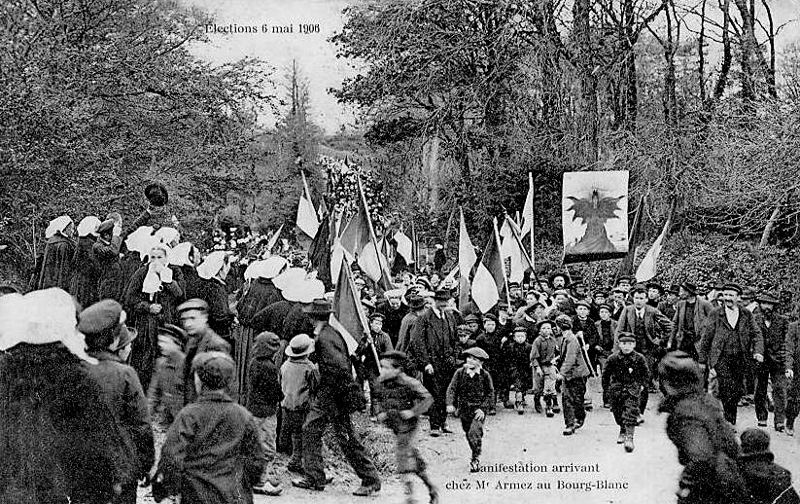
[[691, 313]]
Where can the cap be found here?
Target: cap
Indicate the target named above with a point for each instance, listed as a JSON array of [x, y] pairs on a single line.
[[442, 295], [300, 345], [600, 292], [673, 289], [478, 352], [605, 306], [584, 303], [767, 297], [655, 285], [395, 355], [679, 370], [101, 316], [490, 316], [266, 341], [416, 302], [754, 442], [174, 332], [192, 304], [626, 336], [731, 286], [689, 287], [543, 322], [215, 369], [471, 318], [521, 328], [377, 316]]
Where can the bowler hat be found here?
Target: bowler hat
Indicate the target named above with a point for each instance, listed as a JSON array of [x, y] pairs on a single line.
[[755, 442], [767, 297], [673, 289], [300, 345], [556, 275], [215, 369], [193, 304], [156, 194], [319, 308], [689, 287], [477, 352]]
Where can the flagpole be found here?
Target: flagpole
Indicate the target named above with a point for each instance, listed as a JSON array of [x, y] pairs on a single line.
[[530, 190], [305, 188], [360, 309], [502, 263]]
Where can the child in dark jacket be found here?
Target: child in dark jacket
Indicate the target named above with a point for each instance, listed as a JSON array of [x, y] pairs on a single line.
[[768, 482], [518, 358], [212, 452], [465, 341], [299, 380], [469, 397], [402, 400], [165, 394], [264, 396], [624, 377]]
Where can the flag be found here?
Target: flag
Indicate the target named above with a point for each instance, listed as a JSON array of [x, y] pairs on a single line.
[[405, 248], [415, 247], [527, 216], [489, 283], [356, 232], [466, 260], [520, 260], [647, 268], [307, 219], [319, 253], [339, 254], [274, 238], [348, 315], [626, 266], [362, 237]]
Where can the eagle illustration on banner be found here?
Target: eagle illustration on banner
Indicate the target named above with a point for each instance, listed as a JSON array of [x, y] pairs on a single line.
[[595, 215]]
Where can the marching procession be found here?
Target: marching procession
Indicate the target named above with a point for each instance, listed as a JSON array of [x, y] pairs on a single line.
[[126, 327]]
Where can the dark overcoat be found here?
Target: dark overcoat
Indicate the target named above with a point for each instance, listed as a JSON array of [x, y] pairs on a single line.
[[85, 273], [54, 265]]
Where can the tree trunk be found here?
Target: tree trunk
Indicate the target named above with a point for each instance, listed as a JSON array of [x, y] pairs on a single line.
[[587, 122], [670, 99], [722, 79]]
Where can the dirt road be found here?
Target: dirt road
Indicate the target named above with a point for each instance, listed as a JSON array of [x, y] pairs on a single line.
[[588, 467]]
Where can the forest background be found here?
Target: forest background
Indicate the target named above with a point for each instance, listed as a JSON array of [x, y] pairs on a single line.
[[457, 101]]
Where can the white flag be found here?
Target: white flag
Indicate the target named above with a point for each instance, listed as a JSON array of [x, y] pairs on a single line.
[[484, 289], [307, 219], [527, 215], [647, 268], [404, 247], [371, 261], [466, 252]]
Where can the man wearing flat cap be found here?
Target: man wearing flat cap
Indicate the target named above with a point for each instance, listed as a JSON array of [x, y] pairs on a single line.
[[194, 319], [432, 350], [730, 342], [103, 324], [774, 328], [691, 313], [370, 367]]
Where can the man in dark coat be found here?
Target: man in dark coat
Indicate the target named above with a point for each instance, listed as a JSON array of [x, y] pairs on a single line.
[[706, 443], [417, 307], [650, 327], [691, 313], [54, 265], [731, 340], [332, 404], [212, 453], [272, 317], [774, 329], [194, 319], [432, 350], [102, 323]]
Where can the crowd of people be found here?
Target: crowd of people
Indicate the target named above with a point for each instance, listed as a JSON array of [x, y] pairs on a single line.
[[123, 329]]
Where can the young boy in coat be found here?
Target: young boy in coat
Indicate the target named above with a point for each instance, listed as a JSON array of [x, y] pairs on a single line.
[[465, 341], [212, 453], [370, 367], [299, 380], [624, 377], [469, 396], [263, 398], [574, 370], [768, 482], [544, 353], [402, 400], [103, 324], [518, 358], [165, 394]]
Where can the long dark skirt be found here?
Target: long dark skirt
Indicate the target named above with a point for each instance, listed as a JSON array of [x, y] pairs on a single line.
[[243, 336], [144, 351]]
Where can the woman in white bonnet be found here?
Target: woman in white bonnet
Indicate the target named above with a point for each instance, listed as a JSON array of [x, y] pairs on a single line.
[[155, 290], [54, 265], [58, 438]]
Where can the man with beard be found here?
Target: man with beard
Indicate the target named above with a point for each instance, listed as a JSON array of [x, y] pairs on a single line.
[[432, 350], [650, 327], [730, 341], [774, 328], [691, 312]]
